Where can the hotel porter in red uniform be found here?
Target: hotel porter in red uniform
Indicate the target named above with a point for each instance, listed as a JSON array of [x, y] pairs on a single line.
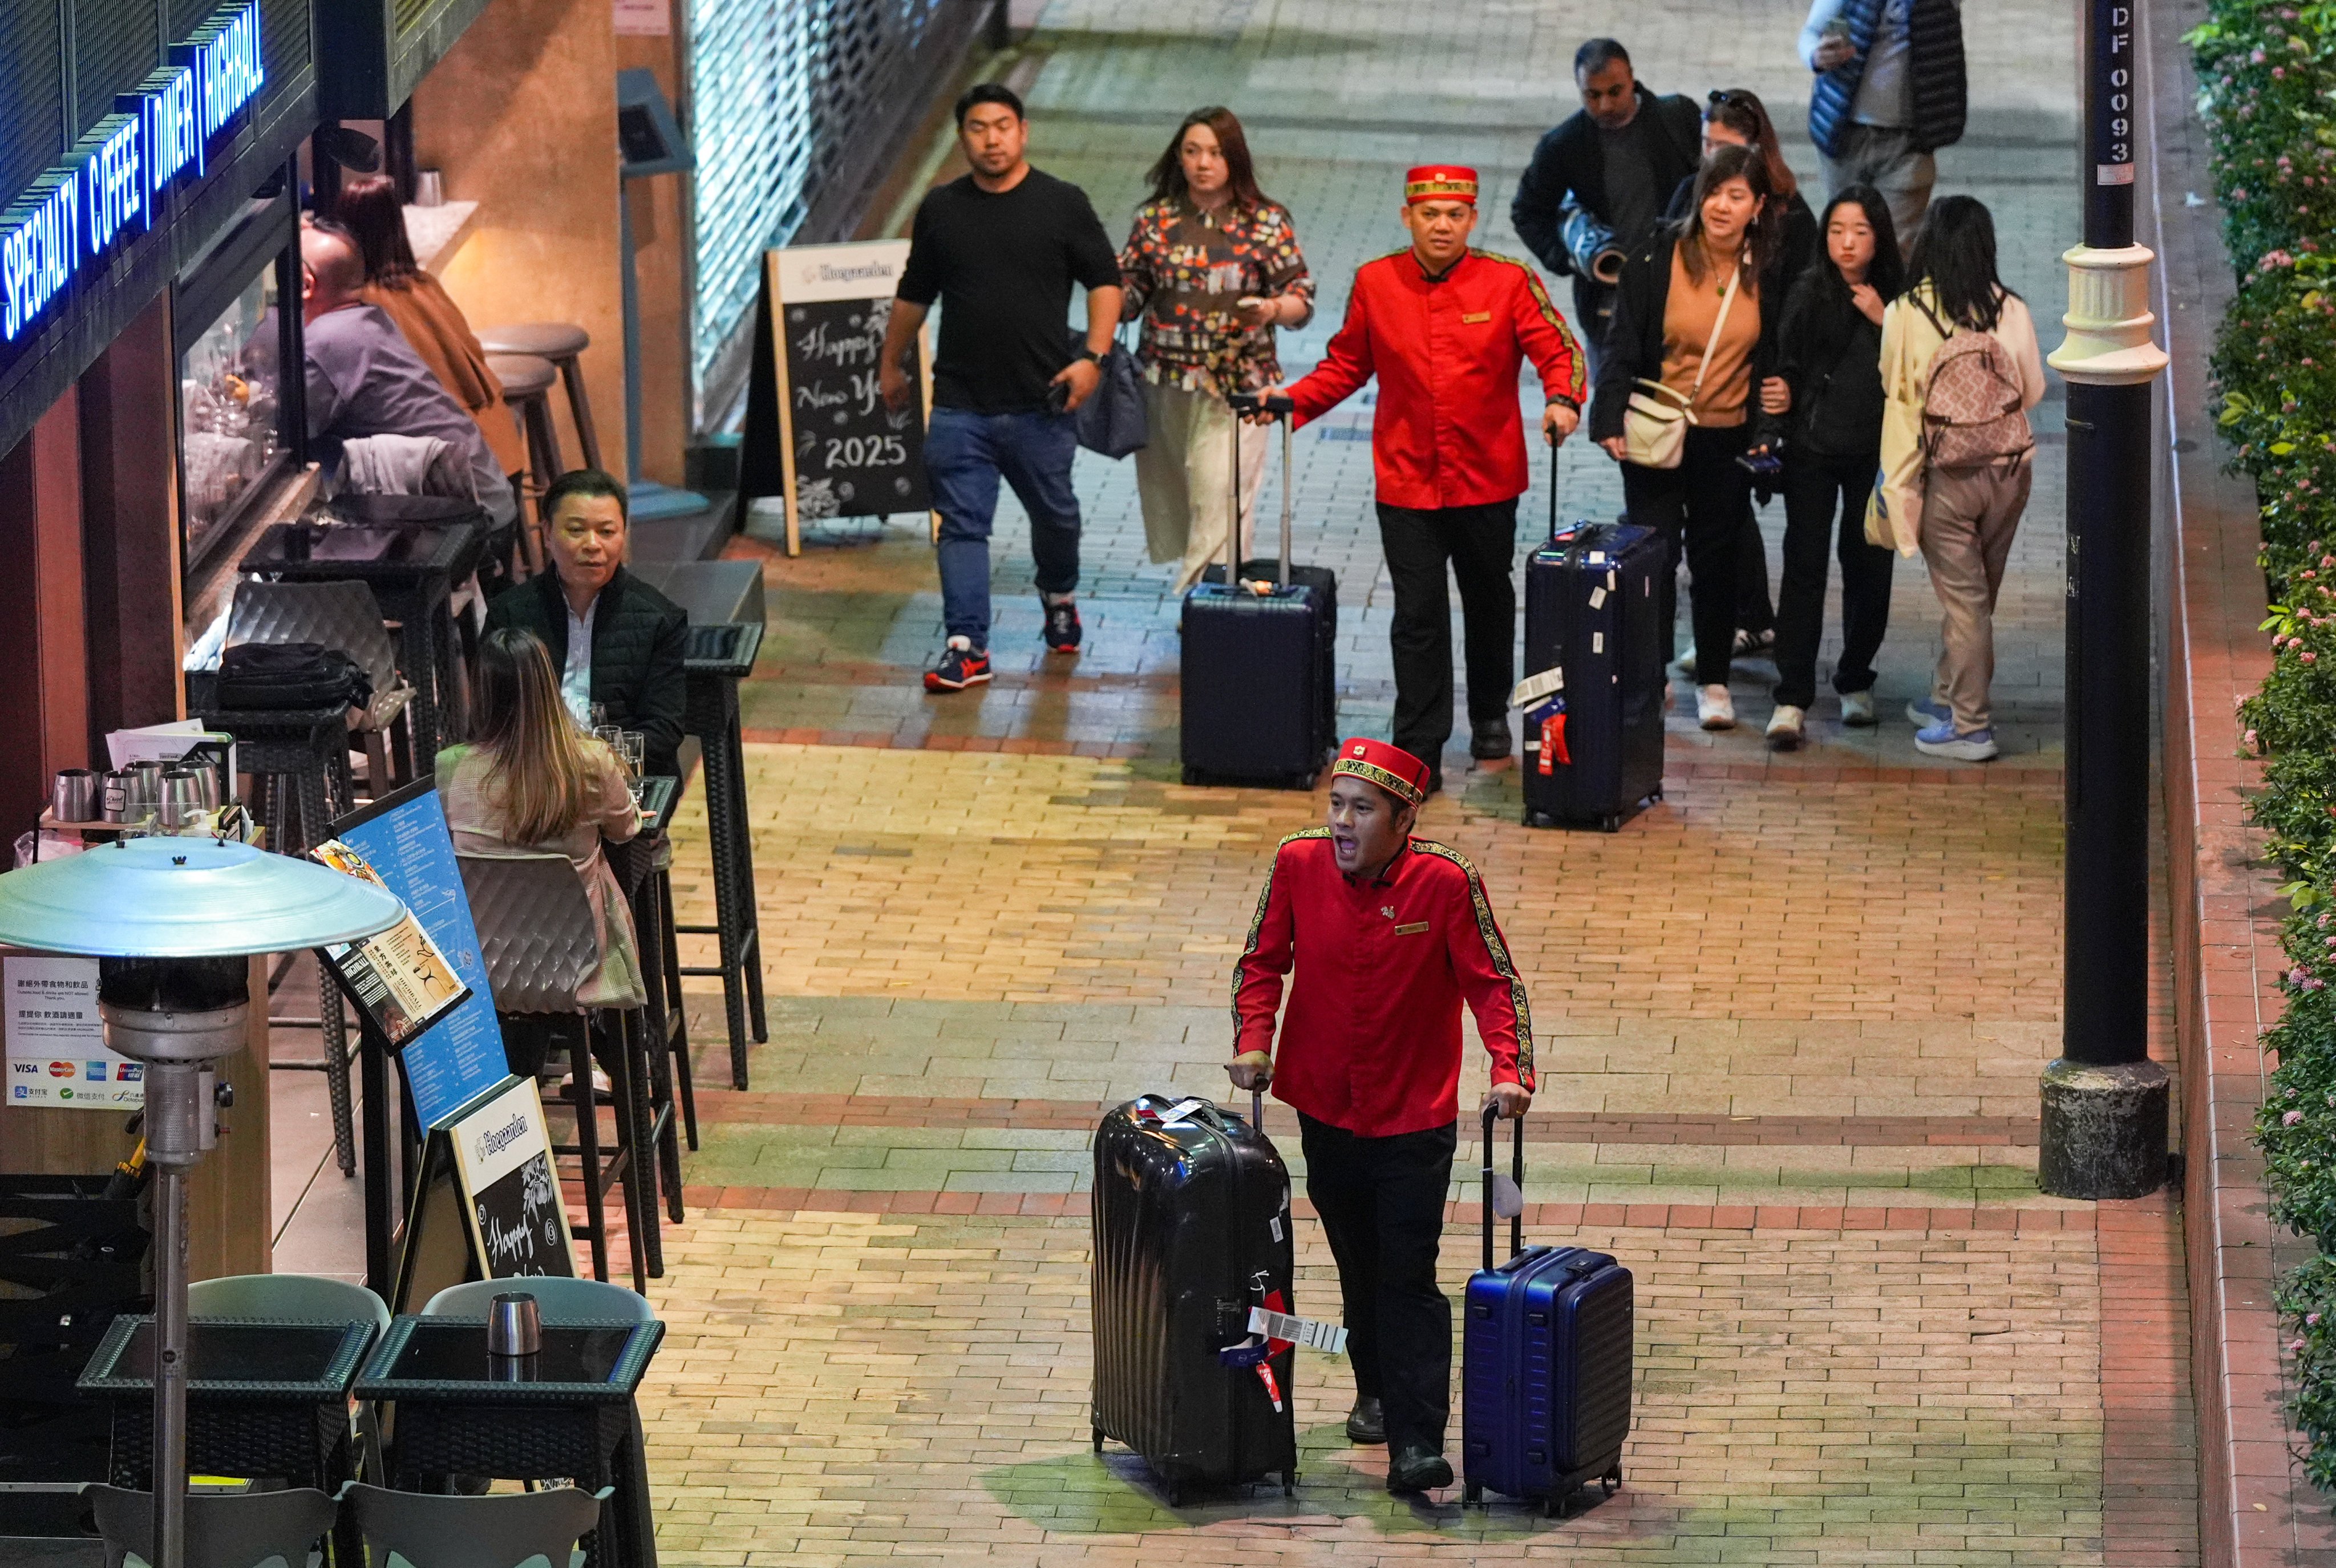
[[1446, 328]]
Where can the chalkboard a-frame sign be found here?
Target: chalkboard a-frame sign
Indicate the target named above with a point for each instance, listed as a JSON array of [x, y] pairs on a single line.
[[813, 401]]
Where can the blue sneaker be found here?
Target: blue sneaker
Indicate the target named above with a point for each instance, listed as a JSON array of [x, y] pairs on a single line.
[[1940, 740], [1927, 713]]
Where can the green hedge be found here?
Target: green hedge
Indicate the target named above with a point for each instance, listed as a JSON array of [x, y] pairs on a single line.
[[2267, 81]]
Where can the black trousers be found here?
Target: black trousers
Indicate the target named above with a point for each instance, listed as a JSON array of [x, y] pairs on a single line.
[[1753, 612], [1381, 1200], [1480, 544], [1593, 312], [1817, 490], [1700, 506]]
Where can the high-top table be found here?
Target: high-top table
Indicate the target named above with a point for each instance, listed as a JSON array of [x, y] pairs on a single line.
[[569, 1412]]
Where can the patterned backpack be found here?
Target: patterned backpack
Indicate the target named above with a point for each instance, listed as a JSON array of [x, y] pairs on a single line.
[[1971, 410]]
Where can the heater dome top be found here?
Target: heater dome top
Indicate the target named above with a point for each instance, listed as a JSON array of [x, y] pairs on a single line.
[[187, 898]]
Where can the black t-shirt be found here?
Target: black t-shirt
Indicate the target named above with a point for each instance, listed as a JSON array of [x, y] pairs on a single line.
[[1632, 203], [1002, 266]]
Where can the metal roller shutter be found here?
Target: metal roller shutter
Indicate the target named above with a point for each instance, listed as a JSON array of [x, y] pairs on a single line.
[[31, 111], [114, 48]]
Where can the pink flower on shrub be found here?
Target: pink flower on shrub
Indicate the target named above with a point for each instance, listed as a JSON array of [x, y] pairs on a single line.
[[2290, 1119]]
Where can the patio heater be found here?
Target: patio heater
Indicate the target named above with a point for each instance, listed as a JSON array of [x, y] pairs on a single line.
[[173, 923]]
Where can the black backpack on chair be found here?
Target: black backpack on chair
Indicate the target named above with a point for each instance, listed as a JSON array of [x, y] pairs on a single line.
[[284, 676]]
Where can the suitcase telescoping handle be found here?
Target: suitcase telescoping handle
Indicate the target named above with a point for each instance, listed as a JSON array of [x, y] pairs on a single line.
[[1247, 403], [1516, 1175], [1257, 1110]]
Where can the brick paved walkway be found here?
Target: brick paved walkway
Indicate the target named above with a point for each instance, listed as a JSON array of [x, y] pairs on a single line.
[[1792, 1020]]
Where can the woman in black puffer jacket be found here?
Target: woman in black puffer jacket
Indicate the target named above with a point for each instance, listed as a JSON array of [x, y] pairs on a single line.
[[1829, 352]]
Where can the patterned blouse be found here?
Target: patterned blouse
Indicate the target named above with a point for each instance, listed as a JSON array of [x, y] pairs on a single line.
[[1189, 267]]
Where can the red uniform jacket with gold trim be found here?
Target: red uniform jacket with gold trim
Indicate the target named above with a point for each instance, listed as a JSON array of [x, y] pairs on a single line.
[[1446, 351], [1371, 1039]]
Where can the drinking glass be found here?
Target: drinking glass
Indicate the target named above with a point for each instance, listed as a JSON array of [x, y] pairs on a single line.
[[611, 736], [633, 747]]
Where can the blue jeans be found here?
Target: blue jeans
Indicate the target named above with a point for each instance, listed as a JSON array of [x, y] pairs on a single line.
[[966, 454]]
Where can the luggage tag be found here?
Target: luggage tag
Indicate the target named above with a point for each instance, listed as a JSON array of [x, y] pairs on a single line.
[[1547, 722], [1281, 1328], [1258, 1349], [1173, 1116]]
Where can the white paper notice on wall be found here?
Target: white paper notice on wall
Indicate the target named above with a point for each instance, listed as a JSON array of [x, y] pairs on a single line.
[[56, 1044], [644, 18]]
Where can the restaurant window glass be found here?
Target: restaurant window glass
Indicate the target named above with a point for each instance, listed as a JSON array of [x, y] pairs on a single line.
[[231, 409], [240, 423]]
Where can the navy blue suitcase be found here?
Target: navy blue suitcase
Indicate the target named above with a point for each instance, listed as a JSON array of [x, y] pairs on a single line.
[[1259, 682], [1594, 749], [1192, 1229], [1546, 1354]]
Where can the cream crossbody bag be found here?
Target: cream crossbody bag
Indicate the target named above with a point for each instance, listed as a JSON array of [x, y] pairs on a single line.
[[1655, 421]]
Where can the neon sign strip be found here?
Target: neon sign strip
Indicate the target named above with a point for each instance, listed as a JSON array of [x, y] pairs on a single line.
[[72, 215]]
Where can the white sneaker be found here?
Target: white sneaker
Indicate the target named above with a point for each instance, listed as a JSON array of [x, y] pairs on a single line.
[[1857, 709], [1785, 732], [1685, 664], [1714, 708]]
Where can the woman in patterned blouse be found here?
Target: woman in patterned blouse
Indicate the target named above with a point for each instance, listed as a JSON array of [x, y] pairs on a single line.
[[1214, 267]]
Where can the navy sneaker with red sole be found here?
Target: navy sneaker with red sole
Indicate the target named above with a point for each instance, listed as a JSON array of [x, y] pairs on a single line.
[[1063, 628], [959, 668]]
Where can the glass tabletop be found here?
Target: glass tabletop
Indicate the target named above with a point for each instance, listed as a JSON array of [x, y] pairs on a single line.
[[447, 1358], [357, 550], [314, 1359]]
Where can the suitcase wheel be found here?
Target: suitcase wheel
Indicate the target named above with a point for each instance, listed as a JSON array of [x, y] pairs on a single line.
[[1472, 1493], [1611, 823], [1191, 775], [1611, 1482], [1175, 1494], [1557, 1507], [1290, 1483], [1096, 1434]]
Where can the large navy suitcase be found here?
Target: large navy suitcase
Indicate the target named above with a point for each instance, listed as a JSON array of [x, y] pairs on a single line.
[[1260, 688], [1594, 749], [1545, 1365], [1192, 1229]]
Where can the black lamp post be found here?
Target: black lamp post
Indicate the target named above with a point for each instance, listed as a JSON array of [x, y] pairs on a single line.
[[2105, 1101]]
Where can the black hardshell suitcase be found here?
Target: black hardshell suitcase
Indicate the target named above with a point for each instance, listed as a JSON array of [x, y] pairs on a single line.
[[1546, 1355], [1192, 1229], [1260, 687], [1593, 610]]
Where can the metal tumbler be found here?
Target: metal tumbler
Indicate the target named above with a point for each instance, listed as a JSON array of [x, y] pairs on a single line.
[[76, 797], [147, 782], [118, 796], [182, 796], [514, 1325]]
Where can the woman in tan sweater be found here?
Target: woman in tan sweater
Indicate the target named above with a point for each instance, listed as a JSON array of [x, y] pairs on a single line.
[[1694, 311], [369, 208]]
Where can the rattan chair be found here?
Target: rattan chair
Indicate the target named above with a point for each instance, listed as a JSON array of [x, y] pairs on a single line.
[[557, 1300], [345, 617], [540, 943], [224, 1530], [498, 1530]]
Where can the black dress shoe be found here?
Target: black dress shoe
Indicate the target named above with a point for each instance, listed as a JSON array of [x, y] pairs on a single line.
[[1419, 1468], [1489, 740], [1365, 1424]]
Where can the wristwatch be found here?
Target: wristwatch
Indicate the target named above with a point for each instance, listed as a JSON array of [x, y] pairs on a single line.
[[1091, 356]]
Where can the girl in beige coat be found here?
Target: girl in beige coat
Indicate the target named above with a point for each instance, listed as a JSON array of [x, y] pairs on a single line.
[[1975, 456]]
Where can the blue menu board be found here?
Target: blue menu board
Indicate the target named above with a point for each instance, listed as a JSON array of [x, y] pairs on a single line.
[[461, 1056]]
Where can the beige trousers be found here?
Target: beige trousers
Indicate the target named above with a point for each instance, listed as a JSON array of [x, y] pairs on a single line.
[[1968, 518], [1183, 475]]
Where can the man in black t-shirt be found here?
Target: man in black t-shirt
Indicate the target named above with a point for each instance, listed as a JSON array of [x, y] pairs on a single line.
[[1597, 183], [1000, 249]]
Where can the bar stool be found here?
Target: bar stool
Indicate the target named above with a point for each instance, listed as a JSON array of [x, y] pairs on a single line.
[[673, 1101], [527, 391], [540, 943], [719, 656], [563, 344]]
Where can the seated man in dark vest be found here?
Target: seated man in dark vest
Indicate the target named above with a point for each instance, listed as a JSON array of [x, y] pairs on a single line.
[[618, 642]]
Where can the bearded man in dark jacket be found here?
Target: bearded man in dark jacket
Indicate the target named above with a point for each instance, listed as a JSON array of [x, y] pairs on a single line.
[[1597, 183], [618, 643]]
